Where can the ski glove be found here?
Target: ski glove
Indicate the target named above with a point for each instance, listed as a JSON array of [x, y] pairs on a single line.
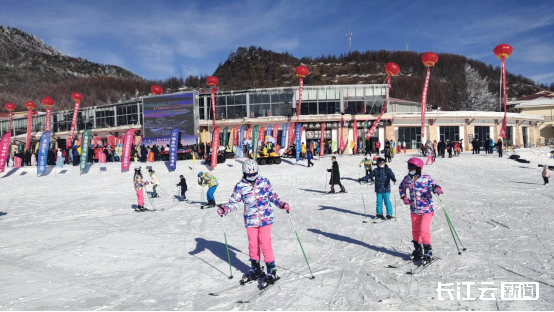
[[328, 170], [406, 200], [438, 190], [221, 210], [146, 182], [285, 206]]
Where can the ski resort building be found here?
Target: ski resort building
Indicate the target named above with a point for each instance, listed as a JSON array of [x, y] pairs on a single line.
[[320, 104]]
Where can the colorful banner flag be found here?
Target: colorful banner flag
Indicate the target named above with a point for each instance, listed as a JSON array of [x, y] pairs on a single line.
[[236, 136], [59, 162], [111, 141], [355, 129], [276, 132], [215, 146], [150, 157], [241, 140], [74, 119], [423, 103], [261, 134], [102, 158], [29, 128], [85, 141], [341, 130], [269, 131], [17, 162], [322, 140], [503, 128], [292, 131], [284, 135], [173, 149], [43, 152], [255, 135], [231, 138], [212, 92], [225, 132], [298, 140], [4, 150], [126, 153]]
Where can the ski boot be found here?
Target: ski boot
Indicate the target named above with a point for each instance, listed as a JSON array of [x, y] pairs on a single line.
[[255, 272], [138, 209], [379, 216], [332, 191], [427, 254], [389, 217], [271, 275], [416, 254], [342, 190]]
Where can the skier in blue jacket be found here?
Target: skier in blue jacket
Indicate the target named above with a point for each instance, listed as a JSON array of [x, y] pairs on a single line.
[[382, 175]]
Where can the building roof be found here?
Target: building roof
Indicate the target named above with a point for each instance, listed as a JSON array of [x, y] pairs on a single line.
[[540, 94]]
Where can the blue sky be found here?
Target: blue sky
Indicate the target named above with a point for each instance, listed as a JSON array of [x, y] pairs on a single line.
[[162, 38]]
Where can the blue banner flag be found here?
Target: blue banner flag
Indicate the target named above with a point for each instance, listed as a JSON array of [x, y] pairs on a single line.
[[43, 152], [284, 136], [298, 140], [173, 147], [241, 140]]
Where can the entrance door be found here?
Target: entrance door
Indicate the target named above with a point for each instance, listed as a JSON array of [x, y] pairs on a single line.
[[481, 133]]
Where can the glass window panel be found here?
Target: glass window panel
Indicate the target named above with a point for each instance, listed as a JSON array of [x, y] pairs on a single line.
[[333, 107], [321, 94], [255, 98], [259, 110], [240, 99], [220, 112], [266, 98], [322, 108], [236, 112], [313, 108], [280, 110], [304, 108]]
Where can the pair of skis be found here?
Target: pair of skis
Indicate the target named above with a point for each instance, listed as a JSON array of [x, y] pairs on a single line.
[[204, 206], [419, 265]]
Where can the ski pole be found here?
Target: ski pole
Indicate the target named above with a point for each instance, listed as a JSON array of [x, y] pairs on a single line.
[[395, 206], [298, 238], [325, 182], [227, 247], [451, 224], [452, 230], [362, 192]]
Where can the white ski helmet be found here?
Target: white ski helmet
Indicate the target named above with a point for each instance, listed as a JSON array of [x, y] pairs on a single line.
[[250, 170]]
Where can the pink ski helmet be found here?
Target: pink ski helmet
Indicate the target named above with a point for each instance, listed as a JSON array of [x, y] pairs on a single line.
[[416, 162]]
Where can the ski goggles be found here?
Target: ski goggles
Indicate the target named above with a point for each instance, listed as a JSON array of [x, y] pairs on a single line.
[[412, 167], [251, 174]]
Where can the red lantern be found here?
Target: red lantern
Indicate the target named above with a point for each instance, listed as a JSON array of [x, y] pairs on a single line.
[[77, 97], [30, 105], [10, 107], [392, 69], [47, 101], [503, 50], [212, 81], [302, 71], [429, 59], [157, 90]]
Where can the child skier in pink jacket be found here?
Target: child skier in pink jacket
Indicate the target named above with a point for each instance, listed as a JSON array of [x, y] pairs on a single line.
[[139, 185], [256, 193], [420, 187]]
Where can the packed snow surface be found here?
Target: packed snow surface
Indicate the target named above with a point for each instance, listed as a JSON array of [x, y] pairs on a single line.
[[74, 242]]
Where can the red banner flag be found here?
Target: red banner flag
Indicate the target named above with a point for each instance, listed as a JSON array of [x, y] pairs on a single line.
[[74, 119], [4, 150], [292, 133], [341, 140], [275, 132], [126, 154], [215, 147], [111, 141], [48, 118], [503, 129], [213, 103], [424, 103], [102, 158], [261, 134], [150, 156], [29, 128], [236, 136], [376, 123], [355, 129], [299, 99], [322, 141]]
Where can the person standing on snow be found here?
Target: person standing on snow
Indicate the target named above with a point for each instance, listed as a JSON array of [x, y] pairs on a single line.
[[139, 185], [499, 147], [183, 185], [545, 174], [309, 157], [430, 155], [208, 179], [256, 193], [383, 175], [415, 190], [155, 182], [335, 177]]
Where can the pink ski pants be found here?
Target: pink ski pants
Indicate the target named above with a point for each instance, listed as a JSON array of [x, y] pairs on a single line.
[[429, 158], [140, 196], [260, 237], [421, 227]]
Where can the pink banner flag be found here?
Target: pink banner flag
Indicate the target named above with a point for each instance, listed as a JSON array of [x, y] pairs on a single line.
[[48, 118], [503, 129], [376, 123], [74, 119], [29, 128], [102, 158], [126, 154], [236, 136], [215, 147], [424, 103], [355, 136], [17, 162], [213, 102], [322, 141], [275, 132], [261, 134], [341, 146], [4, 150]]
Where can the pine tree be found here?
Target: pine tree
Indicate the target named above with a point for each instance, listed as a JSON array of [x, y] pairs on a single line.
[[477, 95]]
